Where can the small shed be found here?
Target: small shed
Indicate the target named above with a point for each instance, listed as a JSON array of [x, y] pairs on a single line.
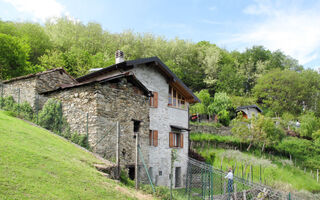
[[249, 111]]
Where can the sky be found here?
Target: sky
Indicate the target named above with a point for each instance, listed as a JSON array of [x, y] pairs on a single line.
[[290, 26]]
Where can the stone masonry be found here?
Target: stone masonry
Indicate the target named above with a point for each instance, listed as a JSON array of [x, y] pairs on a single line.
[[106, 103], [29, 86]]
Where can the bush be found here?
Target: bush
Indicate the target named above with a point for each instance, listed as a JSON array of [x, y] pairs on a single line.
[[23, 110], [50, 117], [8, 103]]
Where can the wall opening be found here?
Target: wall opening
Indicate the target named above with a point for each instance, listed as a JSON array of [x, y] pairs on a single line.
[[178, 177], [131, 172]]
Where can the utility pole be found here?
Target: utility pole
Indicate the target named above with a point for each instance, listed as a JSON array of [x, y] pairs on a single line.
[[136, 171], [118, 150]]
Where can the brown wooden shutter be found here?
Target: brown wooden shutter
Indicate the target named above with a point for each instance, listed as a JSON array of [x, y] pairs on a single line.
[[181, 140], [155, 138], [171, 138], [150, 137], [155, 99]]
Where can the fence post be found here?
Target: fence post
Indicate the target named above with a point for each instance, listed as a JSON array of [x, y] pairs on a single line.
[[136, 171], [260, 174], [18, 101], [235, 191], [37, 108], [87, 129], [224, 187], [244, 195], [118, 147], [1, 103], [211, 183], [318, 175], [251, 174]]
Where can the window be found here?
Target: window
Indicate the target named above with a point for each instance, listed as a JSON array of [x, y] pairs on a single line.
[[153, 138], [175, 99], [154, 100], [175, 140]]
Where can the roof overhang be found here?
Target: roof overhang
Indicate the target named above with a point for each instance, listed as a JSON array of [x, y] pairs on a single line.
[[163, 69]]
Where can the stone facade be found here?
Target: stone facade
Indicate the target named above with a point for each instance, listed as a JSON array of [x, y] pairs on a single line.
[[160, 119], [106, 103], [28, 87]]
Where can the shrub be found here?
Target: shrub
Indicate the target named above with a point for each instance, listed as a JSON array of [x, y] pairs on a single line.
[[8, 103], [25, 111], [50, 117]]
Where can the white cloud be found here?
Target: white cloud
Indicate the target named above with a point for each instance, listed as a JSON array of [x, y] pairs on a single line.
[[40, 9], [287, 27]]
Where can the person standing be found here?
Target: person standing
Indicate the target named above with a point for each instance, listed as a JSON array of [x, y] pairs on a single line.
[[229, 176]]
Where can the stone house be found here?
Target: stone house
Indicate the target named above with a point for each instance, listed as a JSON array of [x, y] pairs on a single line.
[[26, 88], [143, 95], [168, 112], [98, 104], [249, 111]]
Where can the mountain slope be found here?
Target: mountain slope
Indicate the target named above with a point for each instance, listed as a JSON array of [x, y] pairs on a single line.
[[36, 164]]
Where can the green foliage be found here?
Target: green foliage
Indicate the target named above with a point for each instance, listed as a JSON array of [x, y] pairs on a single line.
[[50, 117], [259, 130], [14, 54], [24, 110], [224, 117], [202, 108], [124, 178], [221, 102], [308, 124]]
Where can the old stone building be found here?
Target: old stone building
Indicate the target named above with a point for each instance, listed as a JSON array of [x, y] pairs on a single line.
[[119, 98], [26, 88], [169, 127], [142, 95]]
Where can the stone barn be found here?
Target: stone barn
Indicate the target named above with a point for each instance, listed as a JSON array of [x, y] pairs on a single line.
[[26, 88], [103, 102]]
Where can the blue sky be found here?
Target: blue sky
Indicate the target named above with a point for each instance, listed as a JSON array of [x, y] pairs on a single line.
[[291, 26]]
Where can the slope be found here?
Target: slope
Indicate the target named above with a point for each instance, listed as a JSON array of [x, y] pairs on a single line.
[[36, 164]]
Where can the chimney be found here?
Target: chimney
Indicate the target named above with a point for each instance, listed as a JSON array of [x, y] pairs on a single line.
[[119, 56]]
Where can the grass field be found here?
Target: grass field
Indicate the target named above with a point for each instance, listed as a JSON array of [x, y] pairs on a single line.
[[279, 173], [36, 164]]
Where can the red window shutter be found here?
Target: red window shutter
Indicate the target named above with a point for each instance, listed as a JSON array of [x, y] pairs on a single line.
[[155, 138], [150, 137], [155, 99], [171, 138], [181, 140], [151, 101]]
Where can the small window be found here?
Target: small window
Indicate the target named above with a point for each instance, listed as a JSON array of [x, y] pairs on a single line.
[[136, 126], [175, 140], [160, 173]]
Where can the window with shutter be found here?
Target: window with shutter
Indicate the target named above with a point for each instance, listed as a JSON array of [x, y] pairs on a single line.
[[175, 140], [175, 99]]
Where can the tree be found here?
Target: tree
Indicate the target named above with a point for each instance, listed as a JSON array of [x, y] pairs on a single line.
[[258, 130], [220, 106], [206, 99], [13, 57], [281, 91], [308, 124]]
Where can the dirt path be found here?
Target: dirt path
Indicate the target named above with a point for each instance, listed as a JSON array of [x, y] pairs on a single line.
[[134, 193]]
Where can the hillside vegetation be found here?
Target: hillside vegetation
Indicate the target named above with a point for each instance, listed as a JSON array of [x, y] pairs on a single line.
[[277, 171], [36, 164]]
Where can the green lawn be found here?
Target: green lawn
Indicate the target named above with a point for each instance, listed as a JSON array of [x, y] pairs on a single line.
[[36, 164]]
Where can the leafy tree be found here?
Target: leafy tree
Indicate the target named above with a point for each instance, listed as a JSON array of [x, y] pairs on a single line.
[[206, 99], [308, 124], [13, 57], [258, 130], [281, 91], [221, 102]]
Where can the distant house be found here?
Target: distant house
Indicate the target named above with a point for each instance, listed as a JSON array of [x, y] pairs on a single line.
[[249, 111]]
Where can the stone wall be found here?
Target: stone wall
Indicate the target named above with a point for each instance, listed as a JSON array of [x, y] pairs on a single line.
[[211, 129], [26, 88], [106, 104], [31, 85]]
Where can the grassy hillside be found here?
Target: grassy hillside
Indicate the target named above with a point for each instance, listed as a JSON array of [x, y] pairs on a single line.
[[36, 164]]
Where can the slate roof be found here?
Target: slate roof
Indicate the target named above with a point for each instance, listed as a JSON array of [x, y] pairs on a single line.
[[127, 65]]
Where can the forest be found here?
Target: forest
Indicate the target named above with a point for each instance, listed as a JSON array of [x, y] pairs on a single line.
[[222, 79]]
